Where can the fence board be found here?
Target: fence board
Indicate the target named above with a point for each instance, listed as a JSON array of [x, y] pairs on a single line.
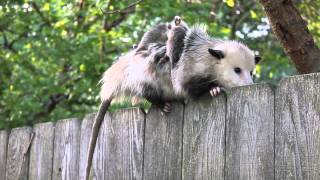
[[120, 145], [204, 139], [3, 153], [66, 150], [163, 144], [86, 126], [41, 153], [250, 133], [297, 131], [17, 163]]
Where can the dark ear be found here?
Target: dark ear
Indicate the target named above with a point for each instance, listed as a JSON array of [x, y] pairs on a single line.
[[257, 59], [216, 53]]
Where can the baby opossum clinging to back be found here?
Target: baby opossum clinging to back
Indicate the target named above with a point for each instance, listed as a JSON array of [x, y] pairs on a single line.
[[198, 64], [204, 63]]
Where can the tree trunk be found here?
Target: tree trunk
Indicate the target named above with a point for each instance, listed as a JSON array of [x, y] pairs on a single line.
[[292, 31]]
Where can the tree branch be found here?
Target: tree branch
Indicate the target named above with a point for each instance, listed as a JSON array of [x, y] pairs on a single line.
[[125, 10], [291, 30], [36, 7]]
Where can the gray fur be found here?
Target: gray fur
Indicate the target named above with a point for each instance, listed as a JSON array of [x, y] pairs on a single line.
[[175, 43], [157, 34], [197, 65]]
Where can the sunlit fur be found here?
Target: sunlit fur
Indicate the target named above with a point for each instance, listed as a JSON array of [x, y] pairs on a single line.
[[196, 60], [129, 75]]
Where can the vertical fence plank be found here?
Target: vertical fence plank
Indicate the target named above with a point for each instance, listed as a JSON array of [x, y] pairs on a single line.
[[3, 153], [86, 126], [163, 144], [41, 153], [119, 150], [297, 132], [204, 139], [66, 150], [250, 133], [17, 163]]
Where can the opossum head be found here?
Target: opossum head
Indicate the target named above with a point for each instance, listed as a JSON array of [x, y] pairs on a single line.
[[234, 63], [225, 63]]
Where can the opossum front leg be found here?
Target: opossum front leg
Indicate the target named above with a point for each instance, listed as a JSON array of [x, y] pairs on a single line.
[[164, 106], [154, 96]]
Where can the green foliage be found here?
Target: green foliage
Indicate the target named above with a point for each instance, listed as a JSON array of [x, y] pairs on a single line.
[[54, 52]]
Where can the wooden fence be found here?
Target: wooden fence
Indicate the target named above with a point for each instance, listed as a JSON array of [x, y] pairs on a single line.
[[253, 133]]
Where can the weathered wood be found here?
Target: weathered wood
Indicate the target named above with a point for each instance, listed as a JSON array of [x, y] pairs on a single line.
[[163, 144], [204, 139], [66, 150], [250, 133], [3, 153], [41, 153], [86, 126], [17, 161], [297, 130], [119, 150]]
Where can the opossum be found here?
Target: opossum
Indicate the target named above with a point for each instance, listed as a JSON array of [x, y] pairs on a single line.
[[145, 74], [205, 64], [157, 34], [176, 33], [198, 64]]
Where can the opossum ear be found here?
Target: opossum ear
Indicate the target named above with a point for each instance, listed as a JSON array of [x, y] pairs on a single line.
[[257, 59], [216, 53]]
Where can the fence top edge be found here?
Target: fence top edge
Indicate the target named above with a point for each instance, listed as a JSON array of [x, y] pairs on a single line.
[[299, 76], [267, 86], [23, 128]]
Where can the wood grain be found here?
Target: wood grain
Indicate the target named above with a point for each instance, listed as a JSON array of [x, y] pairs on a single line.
[[204, 139], [163, 144], [17, 163], [250, 133], [41, 153], [86, 126], [297, 130], [3, 153], [66, 150]]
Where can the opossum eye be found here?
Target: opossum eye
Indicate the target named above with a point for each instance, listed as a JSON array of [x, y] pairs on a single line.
[[237, 70], [216, 53], [251, 73]]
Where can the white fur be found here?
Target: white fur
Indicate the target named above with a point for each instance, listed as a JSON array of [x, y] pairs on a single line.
[[196, 60]]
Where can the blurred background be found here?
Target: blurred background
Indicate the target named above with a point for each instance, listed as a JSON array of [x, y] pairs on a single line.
[[53, 52]]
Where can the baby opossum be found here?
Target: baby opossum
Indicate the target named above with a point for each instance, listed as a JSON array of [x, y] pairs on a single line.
[[157, 34], [205, 64], [145, 74], [176, 34]]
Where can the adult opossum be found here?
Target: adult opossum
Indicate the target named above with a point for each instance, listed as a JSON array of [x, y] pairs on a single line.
[[201, 65], [145, 74], [204, 64]]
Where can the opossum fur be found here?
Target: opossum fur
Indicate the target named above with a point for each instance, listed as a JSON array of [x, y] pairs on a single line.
[[157, 34], [144, 75], [176, 33], [206, 63]]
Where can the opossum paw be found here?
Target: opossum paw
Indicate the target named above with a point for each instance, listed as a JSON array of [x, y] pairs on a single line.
[[215, 91], [166, 107]]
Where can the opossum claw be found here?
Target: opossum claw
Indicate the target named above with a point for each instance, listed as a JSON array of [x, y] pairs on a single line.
[[166, 107], [215, 91]]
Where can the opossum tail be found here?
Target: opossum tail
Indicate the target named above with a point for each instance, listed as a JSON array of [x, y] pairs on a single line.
[[94, 134]]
